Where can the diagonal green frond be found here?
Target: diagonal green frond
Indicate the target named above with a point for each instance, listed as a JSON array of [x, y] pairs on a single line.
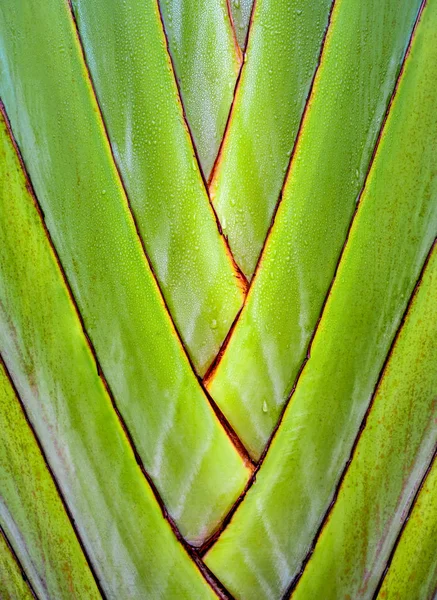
[[388, 464], [192, 461], [363, 51], [282, 53], [261, 550], [413, 570], [241, 11], [132, 547], [31, 512], [207, 60], [125, 47], [12, 584]]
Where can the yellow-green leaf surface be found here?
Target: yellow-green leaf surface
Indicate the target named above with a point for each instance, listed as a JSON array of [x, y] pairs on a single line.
[[388, 464], [207, 61], [241, 11], [281, 57], [263, 547], [365, 45], [126, 51], [31, 512], [132, 547], [12, 584], [183, 446], [413, 571]]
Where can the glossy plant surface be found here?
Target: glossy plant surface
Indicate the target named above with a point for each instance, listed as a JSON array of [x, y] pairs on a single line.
[[88, 219], [218, 299], [396, 446], [413, 570], [284, 47], [274, 527], [207, 60], [302, 250]]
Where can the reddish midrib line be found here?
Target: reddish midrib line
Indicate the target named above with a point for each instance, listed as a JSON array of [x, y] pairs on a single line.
[[238, 272], [325, 517], [215, 364], [17, 560], [205, 572], [207, 545], [296, 141], [237, 48], [239, 446], [231, 110], [404, 524], [55, 481], [228, 428], [31, 191], [210, 541]]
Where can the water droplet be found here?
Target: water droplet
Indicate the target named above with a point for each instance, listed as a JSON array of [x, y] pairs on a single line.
[[265, 407], [213, 324]]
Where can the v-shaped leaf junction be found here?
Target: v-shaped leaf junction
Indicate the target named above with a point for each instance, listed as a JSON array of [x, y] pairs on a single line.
[[217, 281]]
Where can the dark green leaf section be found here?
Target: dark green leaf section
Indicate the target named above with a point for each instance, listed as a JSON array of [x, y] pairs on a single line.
[[55, 118], [32, 514], [388, 464], [126, 51], [241, 11], [262, 549], [413, 571], [12, 584], [282, 54], [207, 61], [132, 548], [363, 51]]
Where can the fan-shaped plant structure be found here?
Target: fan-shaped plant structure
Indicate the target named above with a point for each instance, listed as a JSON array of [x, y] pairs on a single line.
[[218, 299]]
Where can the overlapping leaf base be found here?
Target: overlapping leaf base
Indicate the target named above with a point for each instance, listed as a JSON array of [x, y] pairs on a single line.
[[218, 299]]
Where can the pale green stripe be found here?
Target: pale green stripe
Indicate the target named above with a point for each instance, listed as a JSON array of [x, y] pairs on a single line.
[[264, 545], [12, 584], [207, 61], [126, 51], [412, 574], [389, 463], [364, 48], [132, 548], [241, 11], [32, 514], [55, 118], [281, 58]]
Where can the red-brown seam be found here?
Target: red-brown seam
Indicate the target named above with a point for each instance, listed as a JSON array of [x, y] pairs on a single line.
[[207, 545], [19, 565], [231, 110], [175, 329], [210, 541], [238, 50], [29, 188], [214, 366], [404, 524], [241, 278], [327, 514], [209, 577], [55, 481]]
